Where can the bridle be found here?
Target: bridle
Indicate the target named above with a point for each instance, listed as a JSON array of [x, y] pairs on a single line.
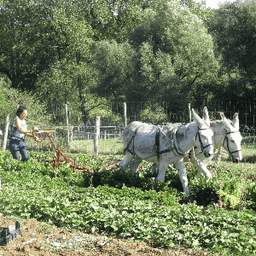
[[226, 138], [200, 139]]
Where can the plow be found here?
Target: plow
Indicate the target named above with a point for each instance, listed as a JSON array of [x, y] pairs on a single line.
[[61, 158]]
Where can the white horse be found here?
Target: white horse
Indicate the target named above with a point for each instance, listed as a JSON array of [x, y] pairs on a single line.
[[227, 135], [165, 145]]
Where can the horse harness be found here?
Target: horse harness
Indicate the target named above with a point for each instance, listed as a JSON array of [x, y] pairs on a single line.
[[173, 140], [132, 140], [226, 138], [157, 142]]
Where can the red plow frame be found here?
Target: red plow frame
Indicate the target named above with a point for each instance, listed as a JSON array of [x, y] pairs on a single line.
[[57, 159]]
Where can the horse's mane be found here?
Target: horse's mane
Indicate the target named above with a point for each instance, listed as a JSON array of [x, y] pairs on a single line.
[[219, 123]]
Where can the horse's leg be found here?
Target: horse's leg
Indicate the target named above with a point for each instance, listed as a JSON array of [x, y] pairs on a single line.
[[123, 164], [195, 163], [203, 171], [183, 176], [134, 165], [163, 165], [201, 167]]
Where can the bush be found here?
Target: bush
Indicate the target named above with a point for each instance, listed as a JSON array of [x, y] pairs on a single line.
[[36, 109], [153, 114]]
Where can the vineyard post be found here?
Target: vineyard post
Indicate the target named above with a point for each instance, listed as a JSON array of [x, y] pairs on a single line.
[[7, 122], [97, 135]]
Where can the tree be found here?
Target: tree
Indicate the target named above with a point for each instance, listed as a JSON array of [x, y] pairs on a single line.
[[59, 85], [3, 102], [36, 34], [10, 98], [233, 27], [113, 20], [174, 53], [113, 63]]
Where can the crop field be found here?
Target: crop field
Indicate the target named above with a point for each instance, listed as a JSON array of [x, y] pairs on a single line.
[[220, 217]]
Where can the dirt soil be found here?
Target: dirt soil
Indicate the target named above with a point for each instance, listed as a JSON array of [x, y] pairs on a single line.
[[41, 238]]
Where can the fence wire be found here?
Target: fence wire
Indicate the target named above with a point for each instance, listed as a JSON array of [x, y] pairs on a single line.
[[80, 139]]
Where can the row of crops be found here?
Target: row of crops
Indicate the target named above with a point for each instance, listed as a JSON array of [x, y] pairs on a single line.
[[220, 218]]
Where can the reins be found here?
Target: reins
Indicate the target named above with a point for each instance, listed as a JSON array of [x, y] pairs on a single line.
[[173, 141], [175, 144]]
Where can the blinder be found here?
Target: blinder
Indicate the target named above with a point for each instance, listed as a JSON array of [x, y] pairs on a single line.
[[200, 140], [226, 138]]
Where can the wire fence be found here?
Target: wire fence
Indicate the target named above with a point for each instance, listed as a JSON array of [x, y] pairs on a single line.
[[77, 139], [81, 139], [134, 111]]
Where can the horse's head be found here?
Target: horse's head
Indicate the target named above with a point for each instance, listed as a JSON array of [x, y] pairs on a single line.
[[233, 138], [204, 137]]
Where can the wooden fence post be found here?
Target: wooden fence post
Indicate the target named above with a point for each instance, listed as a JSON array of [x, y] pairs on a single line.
[[97, 135], [125, 115], [7, 122], [190, 120], [66, 111]]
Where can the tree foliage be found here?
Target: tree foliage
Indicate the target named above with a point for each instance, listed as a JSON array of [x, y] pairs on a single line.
[[113, 62], [3, 102], [234, 28], [88, 52], [174, 52], [34, 36], [113, 19], [11, 97]]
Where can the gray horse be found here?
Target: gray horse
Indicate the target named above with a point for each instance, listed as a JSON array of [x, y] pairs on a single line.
[[167, 144], [227, 135]]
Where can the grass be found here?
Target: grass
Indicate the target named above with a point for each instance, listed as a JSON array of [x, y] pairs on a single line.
[[220, 217]]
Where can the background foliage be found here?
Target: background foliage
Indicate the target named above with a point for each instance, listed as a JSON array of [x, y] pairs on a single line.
[[84, 51]]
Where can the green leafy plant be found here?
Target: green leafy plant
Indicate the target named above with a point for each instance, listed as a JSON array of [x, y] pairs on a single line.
[[117, 203]]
